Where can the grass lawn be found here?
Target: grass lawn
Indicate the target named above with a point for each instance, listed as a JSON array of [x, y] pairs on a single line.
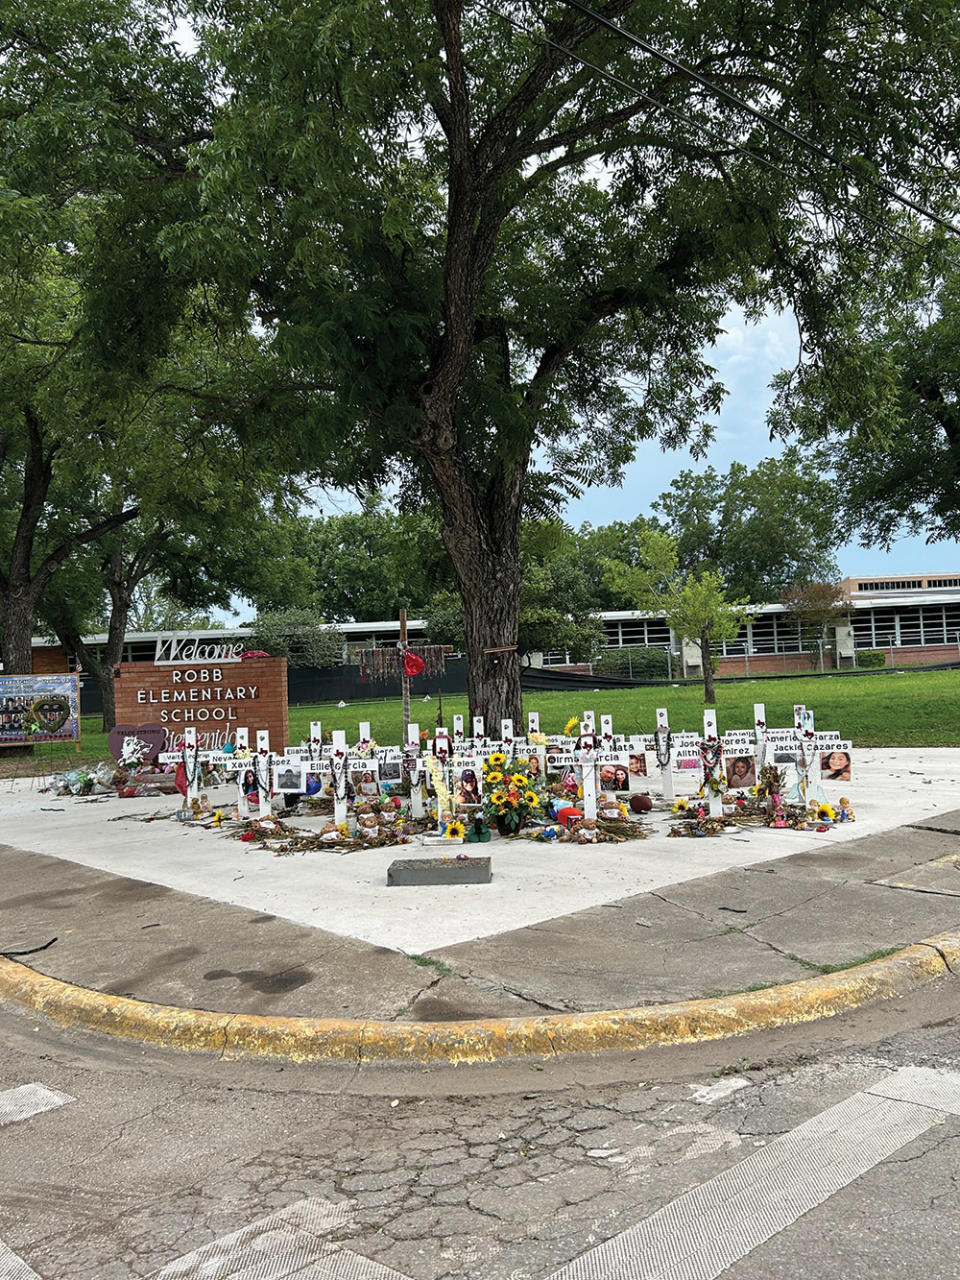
[[890, 709], [911, 708]]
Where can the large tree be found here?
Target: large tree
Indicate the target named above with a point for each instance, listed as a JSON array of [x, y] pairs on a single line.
[[97, 112], [885, 412], [495, 268], [506, 264]]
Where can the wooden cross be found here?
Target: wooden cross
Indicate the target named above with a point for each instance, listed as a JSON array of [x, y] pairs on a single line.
[[662, 748], [711, 736]]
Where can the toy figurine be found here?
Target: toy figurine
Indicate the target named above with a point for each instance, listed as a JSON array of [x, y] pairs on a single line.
[[480, 834], [845, 811], [779, 818]]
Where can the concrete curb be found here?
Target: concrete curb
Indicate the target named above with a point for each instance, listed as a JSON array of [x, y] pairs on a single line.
[[299, 1039]]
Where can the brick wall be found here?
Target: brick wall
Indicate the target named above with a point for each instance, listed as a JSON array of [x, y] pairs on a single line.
[[775, 664], [215, 698], [49, 661]]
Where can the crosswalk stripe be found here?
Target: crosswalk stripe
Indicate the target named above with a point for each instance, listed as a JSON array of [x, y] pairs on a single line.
[[702, 1233], [13, 1267], [289, 1244], [29, 1100]]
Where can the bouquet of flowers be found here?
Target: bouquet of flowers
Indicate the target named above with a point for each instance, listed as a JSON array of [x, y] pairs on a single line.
[[510, 796]]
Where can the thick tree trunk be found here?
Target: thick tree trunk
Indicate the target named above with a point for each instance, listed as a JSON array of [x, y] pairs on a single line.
[[706, 659], [481, 531], [108, 697], [17, 609], [490, 597]]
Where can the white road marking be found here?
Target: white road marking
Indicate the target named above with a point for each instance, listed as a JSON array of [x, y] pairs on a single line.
[[924, 1086], [718, 1090], [701, 1234], [289, 1244], [29, 1100], [13, 1267]]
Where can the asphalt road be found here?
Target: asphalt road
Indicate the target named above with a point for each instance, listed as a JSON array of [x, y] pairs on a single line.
[[785, 1154]]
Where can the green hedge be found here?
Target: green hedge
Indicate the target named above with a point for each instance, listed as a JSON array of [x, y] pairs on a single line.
[[636, 661], [868, 658]]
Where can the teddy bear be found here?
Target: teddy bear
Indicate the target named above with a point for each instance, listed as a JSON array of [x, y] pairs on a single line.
[[368, 826], [328, 833], [587, 832]]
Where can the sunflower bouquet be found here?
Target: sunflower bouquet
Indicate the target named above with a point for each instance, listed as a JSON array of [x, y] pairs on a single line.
[[511, 797]]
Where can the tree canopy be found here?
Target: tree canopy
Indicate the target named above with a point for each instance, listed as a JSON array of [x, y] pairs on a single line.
[[484, 251], [888, 419], [761, 529]]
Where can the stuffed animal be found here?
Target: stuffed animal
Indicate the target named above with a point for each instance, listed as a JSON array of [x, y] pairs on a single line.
[[587, 832], [328, 833]]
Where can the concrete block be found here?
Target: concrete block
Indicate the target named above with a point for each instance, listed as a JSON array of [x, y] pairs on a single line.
[[416, 871]]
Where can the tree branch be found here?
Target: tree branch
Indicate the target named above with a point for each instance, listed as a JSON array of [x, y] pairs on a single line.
[[51, 563]]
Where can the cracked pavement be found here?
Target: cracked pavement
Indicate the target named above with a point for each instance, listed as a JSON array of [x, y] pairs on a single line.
[[505, 1173]]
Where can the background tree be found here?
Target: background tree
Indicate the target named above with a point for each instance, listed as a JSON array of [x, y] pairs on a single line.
[[623, 541], [411, 197], [695, 605], [297, 635], [363, 566], [761, 529], [816, 606]]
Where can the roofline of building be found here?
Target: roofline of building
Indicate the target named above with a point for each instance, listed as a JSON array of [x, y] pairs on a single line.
[[390, 626]]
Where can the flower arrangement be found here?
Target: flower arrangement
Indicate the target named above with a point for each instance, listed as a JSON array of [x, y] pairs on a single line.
[[366, 748], [511, 796]]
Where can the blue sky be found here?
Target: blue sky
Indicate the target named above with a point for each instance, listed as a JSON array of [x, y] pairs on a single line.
[[746, 358]]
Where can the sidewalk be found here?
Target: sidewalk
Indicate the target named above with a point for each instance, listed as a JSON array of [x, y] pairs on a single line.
[[777, 920]]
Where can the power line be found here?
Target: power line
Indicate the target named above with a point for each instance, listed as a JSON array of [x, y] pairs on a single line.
[[756, 113], [701, 128]]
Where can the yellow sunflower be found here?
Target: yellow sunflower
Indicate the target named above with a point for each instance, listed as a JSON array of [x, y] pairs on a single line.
[[455, 831], [572, 723], [498, 759], [680, 807], [532, 799], [498, 797], [826, 811], [494, 778], [519, 779]]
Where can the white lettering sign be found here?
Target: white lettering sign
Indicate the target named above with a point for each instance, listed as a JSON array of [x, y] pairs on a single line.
[[177, 649]]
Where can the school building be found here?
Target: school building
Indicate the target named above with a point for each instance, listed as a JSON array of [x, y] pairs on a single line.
[[913, 621]]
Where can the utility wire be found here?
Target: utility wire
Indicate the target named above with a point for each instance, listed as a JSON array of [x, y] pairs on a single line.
[[757, 114], [701, 128]]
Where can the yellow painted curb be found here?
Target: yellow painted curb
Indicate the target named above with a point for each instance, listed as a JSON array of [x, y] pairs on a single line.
[[299, 1039]]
